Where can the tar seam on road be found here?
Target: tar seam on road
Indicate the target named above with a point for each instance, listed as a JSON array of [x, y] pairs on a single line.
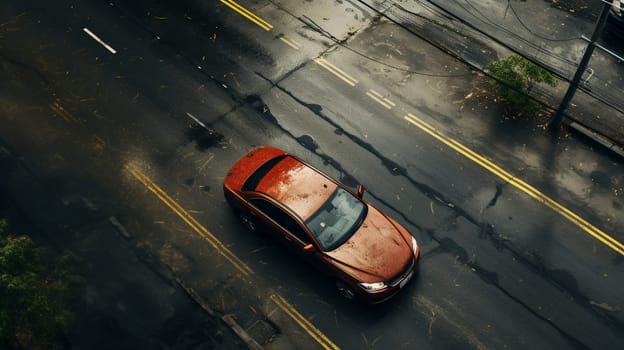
[[521, 185], [184, 215], [304, 323], [247, 14], [96, 38]]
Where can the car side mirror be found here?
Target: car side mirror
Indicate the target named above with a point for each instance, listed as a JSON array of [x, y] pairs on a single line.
[[360, 191], [308, 248]]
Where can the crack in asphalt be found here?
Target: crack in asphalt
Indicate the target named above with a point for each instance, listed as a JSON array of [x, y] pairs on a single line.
[[487, 230], [450, 246], [446, 244]]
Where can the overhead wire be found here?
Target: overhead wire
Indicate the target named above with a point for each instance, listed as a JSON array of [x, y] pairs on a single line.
[[528, 29], [485, 19], [602, 98], [312, 24], [452, 16], [342, 43]]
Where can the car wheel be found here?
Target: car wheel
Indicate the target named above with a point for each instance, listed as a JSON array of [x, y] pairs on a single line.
[[248, 222], [344, 290]]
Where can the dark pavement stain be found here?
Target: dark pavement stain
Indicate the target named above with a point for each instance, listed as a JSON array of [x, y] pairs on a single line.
[[314, 107], [349, 180], [203, 137], [601, 179], [499, 191], [450, 246], [393, 167], [308, 142], [565, 280], [256, 102]]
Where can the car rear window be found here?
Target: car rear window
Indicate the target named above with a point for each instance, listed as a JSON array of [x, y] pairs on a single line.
[[253, 180]]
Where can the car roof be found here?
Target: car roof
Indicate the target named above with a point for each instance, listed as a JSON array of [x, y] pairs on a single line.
[[296, 185]]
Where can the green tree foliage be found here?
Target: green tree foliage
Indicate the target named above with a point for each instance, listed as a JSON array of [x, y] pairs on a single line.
[[517, 78], [35, 298]]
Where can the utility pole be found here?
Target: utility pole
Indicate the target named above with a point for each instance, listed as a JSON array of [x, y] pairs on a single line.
[[558, 118]]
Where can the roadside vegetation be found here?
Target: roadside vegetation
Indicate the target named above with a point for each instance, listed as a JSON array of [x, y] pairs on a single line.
[[517, 77], [36, 294]]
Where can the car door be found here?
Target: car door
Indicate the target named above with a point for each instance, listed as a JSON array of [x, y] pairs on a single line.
[[287, 228]]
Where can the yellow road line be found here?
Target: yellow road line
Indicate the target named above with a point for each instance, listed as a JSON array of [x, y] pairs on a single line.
[[380, 99], [336, 71], [62, 112], [521, 185], [223, 250], [304, 323], [189, 220], [290, 42], [247, 14]]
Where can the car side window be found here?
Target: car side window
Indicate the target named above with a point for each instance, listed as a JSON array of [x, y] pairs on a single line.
[[282, 218]]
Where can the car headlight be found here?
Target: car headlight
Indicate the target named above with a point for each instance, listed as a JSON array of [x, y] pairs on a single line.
[[414, 245], [374, 286]]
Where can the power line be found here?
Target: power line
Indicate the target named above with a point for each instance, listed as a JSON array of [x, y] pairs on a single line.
[[486, 20], [313, 25], [556, 122], [533, 60], [537, 34], [452, 16]]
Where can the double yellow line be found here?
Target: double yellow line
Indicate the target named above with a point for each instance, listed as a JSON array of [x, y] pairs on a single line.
[[304, 323], [184, 215], [521, 185], [247, 14], [336, 71], [314, 332], [58, 109]]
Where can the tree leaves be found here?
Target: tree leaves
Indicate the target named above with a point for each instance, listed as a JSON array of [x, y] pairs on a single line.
[[516, 77], [34, 299]]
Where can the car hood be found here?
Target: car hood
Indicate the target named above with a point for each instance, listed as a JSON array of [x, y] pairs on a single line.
[[376, 252]]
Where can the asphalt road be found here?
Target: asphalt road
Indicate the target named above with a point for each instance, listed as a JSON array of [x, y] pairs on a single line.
[[140, 107]]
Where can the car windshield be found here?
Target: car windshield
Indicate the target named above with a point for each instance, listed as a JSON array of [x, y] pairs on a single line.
[[337, 219]]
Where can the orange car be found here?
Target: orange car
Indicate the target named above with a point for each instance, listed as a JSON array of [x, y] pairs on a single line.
[[370, 255]]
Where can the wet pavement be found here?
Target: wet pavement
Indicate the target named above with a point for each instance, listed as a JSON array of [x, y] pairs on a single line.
[[498, 269], [130, 300], [479, 32]]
